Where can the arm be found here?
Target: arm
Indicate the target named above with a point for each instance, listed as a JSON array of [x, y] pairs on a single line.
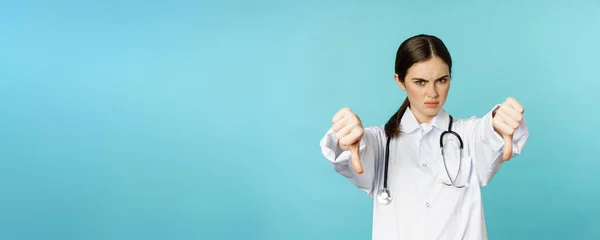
[[370, 148], [492, 142]]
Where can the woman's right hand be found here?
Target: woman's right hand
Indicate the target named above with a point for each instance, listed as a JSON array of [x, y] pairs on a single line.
[[349, 131]]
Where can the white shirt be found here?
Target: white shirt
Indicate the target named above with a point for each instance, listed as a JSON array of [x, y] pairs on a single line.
[[423, 207]]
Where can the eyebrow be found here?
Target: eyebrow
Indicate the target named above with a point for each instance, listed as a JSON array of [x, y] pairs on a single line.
[[421, 79]]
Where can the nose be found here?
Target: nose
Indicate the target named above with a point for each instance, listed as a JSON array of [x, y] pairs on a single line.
[[432, 91]]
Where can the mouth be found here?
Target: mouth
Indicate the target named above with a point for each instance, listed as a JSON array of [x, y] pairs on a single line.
[[432, 104]]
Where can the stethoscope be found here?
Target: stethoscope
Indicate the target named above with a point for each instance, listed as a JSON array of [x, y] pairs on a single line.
[[384, 196]]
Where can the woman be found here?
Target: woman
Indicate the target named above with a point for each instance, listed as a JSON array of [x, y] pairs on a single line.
[[427, 199]]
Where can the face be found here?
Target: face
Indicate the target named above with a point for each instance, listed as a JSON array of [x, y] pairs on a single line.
[[426, 85]]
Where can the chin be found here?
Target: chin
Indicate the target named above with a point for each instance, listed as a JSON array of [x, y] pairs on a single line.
[[432, 111]]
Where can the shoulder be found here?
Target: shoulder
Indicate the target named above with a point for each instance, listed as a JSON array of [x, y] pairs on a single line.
[[467, 121], [378, 130], [475, 120], [475, 125], [465, 126], [375, 133]]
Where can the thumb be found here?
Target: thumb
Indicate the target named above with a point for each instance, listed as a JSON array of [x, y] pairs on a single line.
[[507, 147], [354, 149]]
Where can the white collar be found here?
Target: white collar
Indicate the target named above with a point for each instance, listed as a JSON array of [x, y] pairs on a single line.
[[409, 122]]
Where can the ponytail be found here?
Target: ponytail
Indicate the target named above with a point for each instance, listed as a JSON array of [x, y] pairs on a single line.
[[392, 127]]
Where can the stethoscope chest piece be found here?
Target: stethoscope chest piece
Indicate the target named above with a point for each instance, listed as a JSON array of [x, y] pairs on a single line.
[[384, 196]]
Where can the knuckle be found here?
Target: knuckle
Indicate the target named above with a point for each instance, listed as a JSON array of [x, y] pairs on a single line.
[[360, 131], [502, 108], [520, 118], [351, 122], [496, 120]]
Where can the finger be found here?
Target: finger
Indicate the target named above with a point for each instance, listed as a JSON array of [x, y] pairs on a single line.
[[506, 132], [507, 118], [343, 132], [503, 127], [353, 137], [507, 147], [354, 150], [341, 113], [513, 103], [341, 123], [512, 113]]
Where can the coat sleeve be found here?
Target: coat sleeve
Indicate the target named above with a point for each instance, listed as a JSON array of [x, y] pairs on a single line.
[[487, 146], [370, 149]]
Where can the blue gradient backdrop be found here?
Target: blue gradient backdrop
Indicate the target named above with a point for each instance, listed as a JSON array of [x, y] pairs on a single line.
[[201, 120]]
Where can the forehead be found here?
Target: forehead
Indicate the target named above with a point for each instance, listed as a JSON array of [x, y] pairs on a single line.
[[432, 68]]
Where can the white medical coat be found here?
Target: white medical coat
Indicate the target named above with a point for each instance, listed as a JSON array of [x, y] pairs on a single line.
[[423, 207]]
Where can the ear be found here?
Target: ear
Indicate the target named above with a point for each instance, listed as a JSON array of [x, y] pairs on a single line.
[[400, 83]]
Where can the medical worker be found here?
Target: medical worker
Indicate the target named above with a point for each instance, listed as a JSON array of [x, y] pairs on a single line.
[[421, 192]]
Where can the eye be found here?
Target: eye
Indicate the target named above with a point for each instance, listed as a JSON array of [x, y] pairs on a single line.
[[420, 82], [443, 80]]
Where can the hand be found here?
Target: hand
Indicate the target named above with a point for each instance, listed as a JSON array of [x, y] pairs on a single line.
[[349, 131], [505, 121]]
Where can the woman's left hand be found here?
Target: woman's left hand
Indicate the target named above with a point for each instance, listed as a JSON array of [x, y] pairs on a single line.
[[506, 120]]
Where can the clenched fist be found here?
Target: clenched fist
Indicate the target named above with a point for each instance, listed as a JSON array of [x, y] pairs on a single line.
[[349, 131], [506, 121]]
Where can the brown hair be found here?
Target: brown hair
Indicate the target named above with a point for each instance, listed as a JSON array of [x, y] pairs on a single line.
[[418, 48]]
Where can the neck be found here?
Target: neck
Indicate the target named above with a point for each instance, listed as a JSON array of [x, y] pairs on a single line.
[[421, 118]]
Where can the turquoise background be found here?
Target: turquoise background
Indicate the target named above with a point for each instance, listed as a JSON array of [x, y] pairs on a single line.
[[202, 120]]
